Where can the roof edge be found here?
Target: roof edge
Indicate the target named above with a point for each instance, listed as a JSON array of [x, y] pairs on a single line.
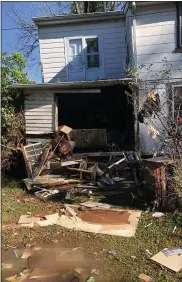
[[65, 19], [75, 84]]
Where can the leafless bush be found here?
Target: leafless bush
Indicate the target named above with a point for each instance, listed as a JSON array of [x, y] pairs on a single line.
[[11, 143], [158, 109], [177, 181]]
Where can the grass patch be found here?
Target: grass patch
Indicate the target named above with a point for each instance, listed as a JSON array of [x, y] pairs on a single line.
[[122, 268]]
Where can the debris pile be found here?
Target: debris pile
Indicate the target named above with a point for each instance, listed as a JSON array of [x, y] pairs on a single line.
[[54, 170]]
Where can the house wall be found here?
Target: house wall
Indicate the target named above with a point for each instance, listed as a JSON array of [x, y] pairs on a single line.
[[53, 52], [39, 112], [154, 38]]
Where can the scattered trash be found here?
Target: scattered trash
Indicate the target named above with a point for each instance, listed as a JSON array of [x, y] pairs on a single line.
[[174, 230], [148, 225], [90, 204], [116, 163], [158, 214], [148, 252], [112, 252], [173, 251], [145, 278], [133, 257], [46, 194], [173, 262]]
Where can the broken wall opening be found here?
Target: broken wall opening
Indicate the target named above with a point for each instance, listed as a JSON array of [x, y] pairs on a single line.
[[107, 110]]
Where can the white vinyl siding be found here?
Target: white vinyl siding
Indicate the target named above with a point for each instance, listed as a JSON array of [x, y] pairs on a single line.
[[39, 113], [53, 53], [156, 39]]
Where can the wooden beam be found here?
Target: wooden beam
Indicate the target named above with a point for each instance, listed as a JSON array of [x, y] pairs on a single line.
[[97, 154]]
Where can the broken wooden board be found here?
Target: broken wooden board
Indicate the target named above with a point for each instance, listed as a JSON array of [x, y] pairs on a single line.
[[68, 163], [97, 154], [174, 262], [48, 181]]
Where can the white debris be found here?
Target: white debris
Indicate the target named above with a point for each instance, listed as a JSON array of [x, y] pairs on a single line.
[[158, 214]]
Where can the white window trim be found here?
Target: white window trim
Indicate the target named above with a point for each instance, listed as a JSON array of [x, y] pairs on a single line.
[[173, 88], [101, 55]]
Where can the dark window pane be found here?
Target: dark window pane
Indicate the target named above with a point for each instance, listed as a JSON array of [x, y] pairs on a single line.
[[178, 98], [92, 45], [93, 61]]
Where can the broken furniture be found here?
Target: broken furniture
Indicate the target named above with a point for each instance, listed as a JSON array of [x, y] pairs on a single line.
[[84, 168], [31, 154]]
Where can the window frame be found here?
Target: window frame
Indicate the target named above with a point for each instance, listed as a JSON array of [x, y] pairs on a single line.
[[88, 54], [179, 25], [171, 91]]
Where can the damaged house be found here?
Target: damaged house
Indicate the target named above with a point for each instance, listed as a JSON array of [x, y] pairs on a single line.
[[84, 79]]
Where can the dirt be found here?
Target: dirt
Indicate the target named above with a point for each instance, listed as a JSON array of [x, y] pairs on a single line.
[[105, 217]]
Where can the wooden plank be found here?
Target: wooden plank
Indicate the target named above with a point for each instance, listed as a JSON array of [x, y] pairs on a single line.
[[43, 127], [98, 154], [37, 113], [34, 108], [37, 121], [38, 117], [30, 103], [56, 113], [38, 98], [42, 140], [38, 131], [26, 162]]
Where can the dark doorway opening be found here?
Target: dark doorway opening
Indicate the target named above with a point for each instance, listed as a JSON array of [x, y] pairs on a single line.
[[110, 109]]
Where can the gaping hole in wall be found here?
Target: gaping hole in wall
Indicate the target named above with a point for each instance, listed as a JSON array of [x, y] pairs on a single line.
[[98, 119]]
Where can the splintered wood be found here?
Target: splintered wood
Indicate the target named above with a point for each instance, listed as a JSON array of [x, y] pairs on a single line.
[[49, 181]]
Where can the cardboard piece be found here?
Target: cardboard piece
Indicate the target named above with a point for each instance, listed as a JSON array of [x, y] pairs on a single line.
[[172, 262], [51, 219], [123, 229], [27, 219], [65, 129]]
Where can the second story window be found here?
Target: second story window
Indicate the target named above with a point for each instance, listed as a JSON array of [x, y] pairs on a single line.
[[179, 25], [92, 52]]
